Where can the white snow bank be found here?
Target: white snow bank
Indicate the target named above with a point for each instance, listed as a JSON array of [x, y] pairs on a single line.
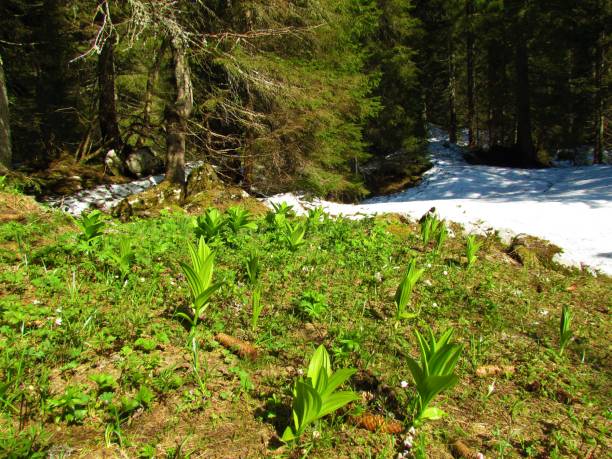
[[570, 207], [106, 197]]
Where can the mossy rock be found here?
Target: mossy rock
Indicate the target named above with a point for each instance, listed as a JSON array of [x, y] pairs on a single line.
[[149, 202], [532, 252], [202, 178], [222, 197], [203, 190]]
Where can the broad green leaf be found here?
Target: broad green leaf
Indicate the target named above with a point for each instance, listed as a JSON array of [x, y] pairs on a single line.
[[432, 414], [337, 379], [433, 385], [415, 370], [318, 363], [335, 401], [307, 406]]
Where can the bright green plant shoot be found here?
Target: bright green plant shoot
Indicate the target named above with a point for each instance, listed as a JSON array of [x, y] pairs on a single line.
[[239, 218], [257, 307], [471, 248], [441, 236], [279, 215], [434, 373], [91, 225], [314, 396], [209, 225], [294, 235], [404, 290], [125, 257], [565, 332], [199, 278], [253, 268], [429, 228], [282, 208], [315, 216]]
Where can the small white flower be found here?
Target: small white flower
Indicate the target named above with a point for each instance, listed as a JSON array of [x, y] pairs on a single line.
[[316, 434], [412, 431], [543, 312], [404, 384], [58, 321], [36, 301], [300, 372], [434, 304], [428, 282], [142, 279], [429, 265], [490, 388], [445, 273]]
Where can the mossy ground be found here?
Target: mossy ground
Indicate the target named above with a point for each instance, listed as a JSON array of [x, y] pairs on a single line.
[[66, 314]]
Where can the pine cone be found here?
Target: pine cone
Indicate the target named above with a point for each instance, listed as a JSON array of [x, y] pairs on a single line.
[[464, 451], [377, 423], [494, 370], [242, 348]]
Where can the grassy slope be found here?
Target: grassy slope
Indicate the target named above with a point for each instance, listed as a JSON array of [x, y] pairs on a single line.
[[503, 313]]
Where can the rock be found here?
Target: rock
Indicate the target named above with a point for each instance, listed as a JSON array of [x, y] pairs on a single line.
[[144, 162], [201, 178], [114, 163], [147, 202], [531, 251]]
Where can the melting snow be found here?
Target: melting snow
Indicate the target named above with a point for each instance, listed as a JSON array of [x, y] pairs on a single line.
[[570, 206]]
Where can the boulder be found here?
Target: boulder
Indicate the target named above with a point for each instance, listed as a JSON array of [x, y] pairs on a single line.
[[202, 178], [143, 162], [149, 202], [114, 163], [531, 251]]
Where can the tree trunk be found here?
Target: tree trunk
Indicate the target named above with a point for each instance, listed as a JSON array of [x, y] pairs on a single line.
[[5, 128], [178, 113], [469, 11], [494, 64], [600, 105], [524, 140], [452, 96], [151, 82], [107, 108]]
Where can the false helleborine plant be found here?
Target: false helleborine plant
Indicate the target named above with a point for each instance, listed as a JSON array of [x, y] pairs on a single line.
[[315, 396]]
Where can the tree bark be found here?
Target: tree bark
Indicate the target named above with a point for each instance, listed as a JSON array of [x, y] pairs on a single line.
[[600, 106], [178, 113], [107, 108], [5, 128], [452, 96], [469, 12], [494, 64], [524, 140], [151, 82]]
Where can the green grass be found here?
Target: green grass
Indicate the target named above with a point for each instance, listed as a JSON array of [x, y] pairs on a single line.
[[94, 358]]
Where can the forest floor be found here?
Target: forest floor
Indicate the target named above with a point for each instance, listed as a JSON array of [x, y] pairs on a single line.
[[568, 206], [96, 361]]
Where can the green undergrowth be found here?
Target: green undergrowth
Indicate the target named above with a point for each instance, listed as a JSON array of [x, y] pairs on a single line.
[[99, 356]]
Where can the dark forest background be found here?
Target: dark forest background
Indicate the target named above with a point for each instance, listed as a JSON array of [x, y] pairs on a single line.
[[286, 95]]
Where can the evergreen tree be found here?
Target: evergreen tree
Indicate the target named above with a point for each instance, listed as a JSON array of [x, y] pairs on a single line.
[[5, 128]]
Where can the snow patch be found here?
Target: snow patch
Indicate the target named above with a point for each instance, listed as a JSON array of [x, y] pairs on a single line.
[[570, 206]]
